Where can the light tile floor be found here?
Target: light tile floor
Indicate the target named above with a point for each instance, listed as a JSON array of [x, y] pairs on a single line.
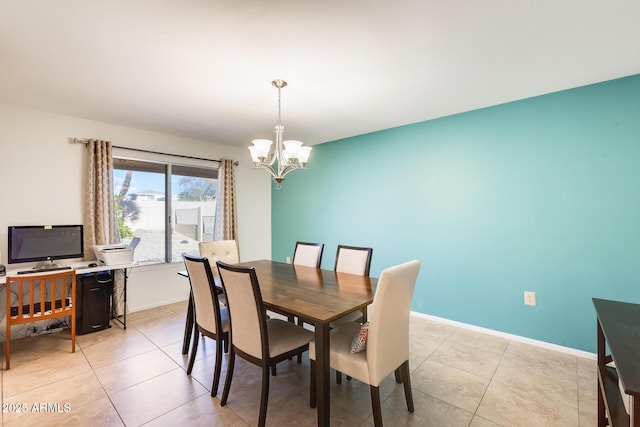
[[137, 377]]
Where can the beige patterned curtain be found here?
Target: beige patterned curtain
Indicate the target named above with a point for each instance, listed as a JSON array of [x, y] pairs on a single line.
[[226, 220], [99, 218]]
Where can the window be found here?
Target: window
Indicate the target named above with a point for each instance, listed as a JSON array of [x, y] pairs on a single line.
[[171, 207]]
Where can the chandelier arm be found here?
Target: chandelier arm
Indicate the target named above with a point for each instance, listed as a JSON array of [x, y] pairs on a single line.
[[291, 168]]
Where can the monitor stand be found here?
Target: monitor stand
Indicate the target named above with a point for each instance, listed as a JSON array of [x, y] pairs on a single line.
[[49, 266], [46, 265]]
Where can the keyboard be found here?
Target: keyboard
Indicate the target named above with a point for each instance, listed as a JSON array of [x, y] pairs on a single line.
[[44, 270]]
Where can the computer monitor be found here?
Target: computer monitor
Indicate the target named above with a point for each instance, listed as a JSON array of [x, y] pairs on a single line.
[[44, 243]]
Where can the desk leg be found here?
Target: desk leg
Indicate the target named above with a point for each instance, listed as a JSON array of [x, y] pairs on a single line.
[[322, 373], [188, 326], [124, 308], [114, 315]]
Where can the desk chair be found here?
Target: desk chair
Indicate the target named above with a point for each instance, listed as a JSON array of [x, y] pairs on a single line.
[[209, 318], [261, 341], [387, 347], [49, 296]]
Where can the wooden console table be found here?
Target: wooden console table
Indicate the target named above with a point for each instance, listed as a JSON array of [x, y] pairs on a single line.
[[619, 329]]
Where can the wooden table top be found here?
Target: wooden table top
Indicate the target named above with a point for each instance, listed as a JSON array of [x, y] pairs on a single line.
[[312, 293], [620, 323]]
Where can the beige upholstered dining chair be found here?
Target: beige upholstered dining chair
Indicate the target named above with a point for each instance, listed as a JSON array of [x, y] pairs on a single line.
[[225, 250], [387, 347], [261, 341], [308, 254], [353, 260], [210, 318], [220, 250]]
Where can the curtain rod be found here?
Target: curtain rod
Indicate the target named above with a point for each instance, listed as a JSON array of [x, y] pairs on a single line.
[[85, 142]]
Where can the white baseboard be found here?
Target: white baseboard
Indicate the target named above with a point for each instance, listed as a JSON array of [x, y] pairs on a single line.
[[537, 343], [158, 304]]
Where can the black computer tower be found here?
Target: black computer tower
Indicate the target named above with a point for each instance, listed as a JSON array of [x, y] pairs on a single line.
[[93, 301]]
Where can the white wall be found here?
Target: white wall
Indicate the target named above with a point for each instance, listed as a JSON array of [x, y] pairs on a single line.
[[42, 182]]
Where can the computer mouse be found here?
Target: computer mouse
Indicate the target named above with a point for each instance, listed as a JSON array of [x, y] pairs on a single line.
[[93, 264]]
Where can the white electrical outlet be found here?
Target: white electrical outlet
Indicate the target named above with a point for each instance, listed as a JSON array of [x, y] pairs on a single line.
[[288, 260], [529, 298]]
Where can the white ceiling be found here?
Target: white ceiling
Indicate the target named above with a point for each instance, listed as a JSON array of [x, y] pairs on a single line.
[[203, 68]]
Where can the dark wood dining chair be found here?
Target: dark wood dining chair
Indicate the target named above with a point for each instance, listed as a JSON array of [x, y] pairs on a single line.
[[210, 318], [386, 346], [258, 340]]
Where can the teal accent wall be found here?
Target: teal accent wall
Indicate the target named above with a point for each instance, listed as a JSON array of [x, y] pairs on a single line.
[[541, 195]]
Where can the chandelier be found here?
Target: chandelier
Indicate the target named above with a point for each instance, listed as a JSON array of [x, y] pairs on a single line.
[[289, 155]]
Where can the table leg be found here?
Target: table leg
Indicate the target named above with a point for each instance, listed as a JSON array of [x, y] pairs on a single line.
[[602, 414], [322, 373]]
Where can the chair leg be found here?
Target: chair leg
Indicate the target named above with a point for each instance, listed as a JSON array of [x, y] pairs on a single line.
[[338, 377], [398, 376], [73, 333], [225, 341], [273, 370], [406, 379], [7, 343], [227, 381], [375, 405], [188, 327], [192, 356], [264, 398], [312, 383], [217, 368]]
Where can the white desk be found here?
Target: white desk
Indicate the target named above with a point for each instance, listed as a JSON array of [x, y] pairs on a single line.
[[83, 268]]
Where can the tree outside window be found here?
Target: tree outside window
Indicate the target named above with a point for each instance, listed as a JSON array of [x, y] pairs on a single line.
[[146, 202]]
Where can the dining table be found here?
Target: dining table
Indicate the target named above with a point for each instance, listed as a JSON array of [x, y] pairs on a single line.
[[317, 297]]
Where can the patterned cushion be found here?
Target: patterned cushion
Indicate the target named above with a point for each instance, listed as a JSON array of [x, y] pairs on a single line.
[[359, 342]]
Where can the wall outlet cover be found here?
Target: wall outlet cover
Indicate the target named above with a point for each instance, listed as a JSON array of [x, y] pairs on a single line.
[[529, 298]]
